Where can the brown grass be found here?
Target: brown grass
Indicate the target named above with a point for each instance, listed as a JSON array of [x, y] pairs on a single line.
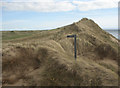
[[47, 57]]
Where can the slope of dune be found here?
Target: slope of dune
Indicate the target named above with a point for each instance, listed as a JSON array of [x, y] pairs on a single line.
[[47, 57]]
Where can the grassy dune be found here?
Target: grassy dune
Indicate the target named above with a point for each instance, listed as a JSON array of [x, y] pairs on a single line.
[[39, 58]]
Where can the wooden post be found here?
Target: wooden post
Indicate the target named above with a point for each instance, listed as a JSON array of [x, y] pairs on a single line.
[[75, 48]]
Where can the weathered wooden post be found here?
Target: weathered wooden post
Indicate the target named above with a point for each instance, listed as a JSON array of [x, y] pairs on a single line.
[[75, 51]]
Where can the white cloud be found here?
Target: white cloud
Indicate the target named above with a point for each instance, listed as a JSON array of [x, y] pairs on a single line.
[[27, 0], [58, 5], [40, 6], [95, 4]]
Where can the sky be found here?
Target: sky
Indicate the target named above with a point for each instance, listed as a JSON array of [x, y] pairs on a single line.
[[50, 14]]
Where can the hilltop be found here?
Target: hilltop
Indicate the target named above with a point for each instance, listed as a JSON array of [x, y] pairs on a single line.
[[39, 58]]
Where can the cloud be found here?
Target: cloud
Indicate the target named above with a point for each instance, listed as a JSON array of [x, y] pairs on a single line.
[[57, 5], [95, 4], [28, 0], [41, 6]]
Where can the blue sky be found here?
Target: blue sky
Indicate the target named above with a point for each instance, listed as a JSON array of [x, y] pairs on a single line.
[[50, 14]]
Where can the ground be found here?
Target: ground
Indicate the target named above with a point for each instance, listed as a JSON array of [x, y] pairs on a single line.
[[40, 58]]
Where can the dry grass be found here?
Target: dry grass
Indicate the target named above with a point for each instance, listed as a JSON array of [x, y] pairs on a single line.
[[46, 57]]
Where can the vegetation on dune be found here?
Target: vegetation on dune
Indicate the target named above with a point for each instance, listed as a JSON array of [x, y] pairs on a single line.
[[40, 58]]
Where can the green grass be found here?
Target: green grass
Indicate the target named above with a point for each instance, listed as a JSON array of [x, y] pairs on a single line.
[[9, 35]]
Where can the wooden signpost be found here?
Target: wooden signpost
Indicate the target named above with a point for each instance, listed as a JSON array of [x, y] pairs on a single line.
[[75, 51]]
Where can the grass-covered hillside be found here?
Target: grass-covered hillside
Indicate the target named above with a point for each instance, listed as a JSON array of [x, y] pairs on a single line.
[[46, 58]]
